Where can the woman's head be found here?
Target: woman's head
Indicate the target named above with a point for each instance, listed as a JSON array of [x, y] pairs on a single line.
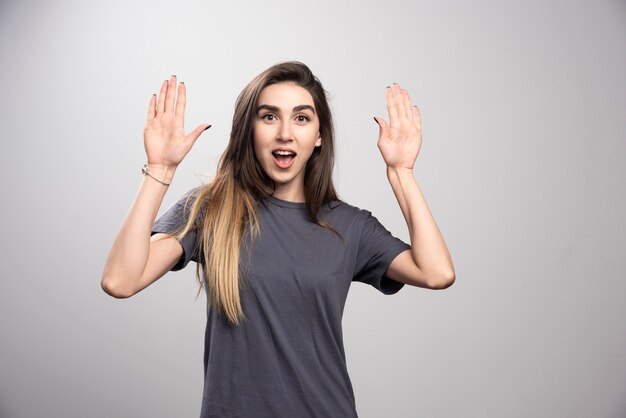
[[285, 135], [240, 155]]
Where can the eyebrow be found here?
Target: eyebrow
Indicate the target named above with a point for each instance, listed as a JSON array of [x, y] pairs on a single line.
[[276, 109]]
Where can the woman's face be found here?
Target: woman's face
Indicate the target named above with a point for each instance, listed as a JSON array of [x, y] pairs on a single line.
[[286, 131]]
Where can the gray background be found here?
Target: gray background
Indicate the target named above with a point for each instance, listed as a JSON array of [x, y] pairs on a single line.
[[522, 165]]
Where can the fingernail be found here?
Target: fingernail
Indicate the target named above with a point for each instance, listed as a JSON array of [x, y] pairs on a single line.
[[375, 119], [388, 87], [206, 128], [173, 75], [182, 82]]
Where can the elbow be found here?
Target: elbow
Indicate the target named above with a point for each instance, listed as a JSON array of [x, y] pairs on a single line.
[[442, 282], [115, 288]]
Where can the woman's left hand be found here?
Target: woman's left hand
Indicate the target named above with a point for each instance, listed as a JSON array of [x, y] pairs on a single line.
[[399, 141]]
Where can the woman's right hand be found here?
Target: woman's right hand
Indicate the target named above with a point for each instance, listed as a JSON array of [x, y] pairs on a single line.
[[164, 135]]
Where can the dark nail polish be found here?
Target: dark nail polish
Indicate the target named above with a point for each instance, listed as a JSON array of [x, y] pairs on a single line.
[[207, 128], [182, 82]]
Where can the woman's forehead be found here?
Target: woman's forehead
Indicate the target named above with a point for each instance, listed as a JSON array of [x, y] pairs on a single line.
[[285, 94]]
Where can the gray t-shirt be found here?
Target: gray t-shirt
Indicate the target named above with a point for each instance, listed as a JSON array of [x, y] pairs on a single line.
[[287, 359]]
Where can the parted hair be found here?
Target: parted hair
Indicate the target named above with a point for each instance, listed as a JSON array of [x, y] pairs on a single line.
[[225, 208]]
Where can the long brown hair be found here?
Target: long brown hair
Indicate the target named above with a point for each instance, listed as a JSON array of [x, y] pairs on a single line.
[[227, 205]]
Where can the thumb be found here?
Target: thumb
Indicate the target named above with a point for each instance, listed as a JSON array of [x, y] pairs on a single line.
[[193, 135], [382, 125]]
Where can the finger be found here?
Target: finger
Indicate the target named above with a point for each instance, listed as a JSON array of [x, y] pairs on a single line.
[[382, 124], [417, 118], [398, 100], [193, 135], [152, 107], [181, 101], [161, 101], [391, 108], [406, 100], [170, 95]]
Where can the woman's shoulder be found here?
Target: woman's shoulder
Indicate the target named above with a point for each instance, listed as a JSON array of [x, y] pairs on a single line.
[[344, 211], [347, 207], [187, 200]]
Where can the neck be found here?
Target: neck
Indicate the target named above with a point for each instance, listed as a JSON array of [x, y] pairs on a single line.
[[290, 194]]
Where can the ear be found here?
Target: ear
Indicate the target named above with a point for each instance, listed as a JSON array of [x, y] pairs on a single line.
[[319, 140]]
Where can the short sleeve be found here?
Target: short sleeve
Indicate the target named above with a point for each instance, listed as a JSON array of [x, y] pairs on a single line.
[[377, 248], [175, 217]]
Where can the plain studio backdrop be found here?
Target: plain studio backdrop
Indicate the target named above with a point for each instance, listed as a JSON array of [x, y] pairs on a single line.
[[522, 165]]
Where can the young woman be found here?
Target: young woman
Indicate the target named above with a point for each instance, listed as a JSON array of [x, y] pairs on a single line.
[[277, 247]]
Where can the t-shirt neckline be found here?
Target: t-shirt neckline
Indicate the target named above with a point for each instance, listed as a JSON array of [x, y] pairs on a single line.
[[285, 203]]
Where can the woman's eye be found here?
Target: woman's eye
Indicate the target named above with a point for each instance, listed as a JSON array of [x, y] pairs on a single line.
[[303, 118], [266, 116]]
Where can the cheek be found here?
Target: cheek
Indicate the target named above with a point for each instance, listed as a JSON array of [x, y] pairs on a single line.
[[258, 152], [257, 140], [262, 135]]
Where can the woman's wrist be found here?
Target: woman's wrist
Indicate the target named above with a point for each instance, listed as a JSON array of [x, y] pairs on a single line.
[[160, 172], [399, 172]]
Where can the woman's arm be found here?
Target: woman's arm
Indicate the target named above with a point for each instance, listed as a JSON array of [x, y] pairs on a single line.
[[137, 259], [428, 263], [131, 263]]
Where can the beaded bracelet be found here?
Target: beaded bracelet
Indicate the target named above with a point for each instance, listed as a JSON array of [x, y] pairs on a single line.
[[144, 170]]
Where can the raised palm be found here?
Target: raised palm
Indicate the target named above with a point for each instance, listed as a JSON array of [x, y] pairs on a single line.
[[399, 141], [164, 135]]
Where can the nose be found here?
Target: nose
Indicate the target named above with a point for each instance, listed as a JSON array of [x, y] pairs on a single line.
[[285, 132]]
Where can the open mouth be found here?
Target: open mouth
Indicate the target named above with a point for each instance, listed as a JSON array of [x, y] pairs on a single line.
[[283, 159]]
